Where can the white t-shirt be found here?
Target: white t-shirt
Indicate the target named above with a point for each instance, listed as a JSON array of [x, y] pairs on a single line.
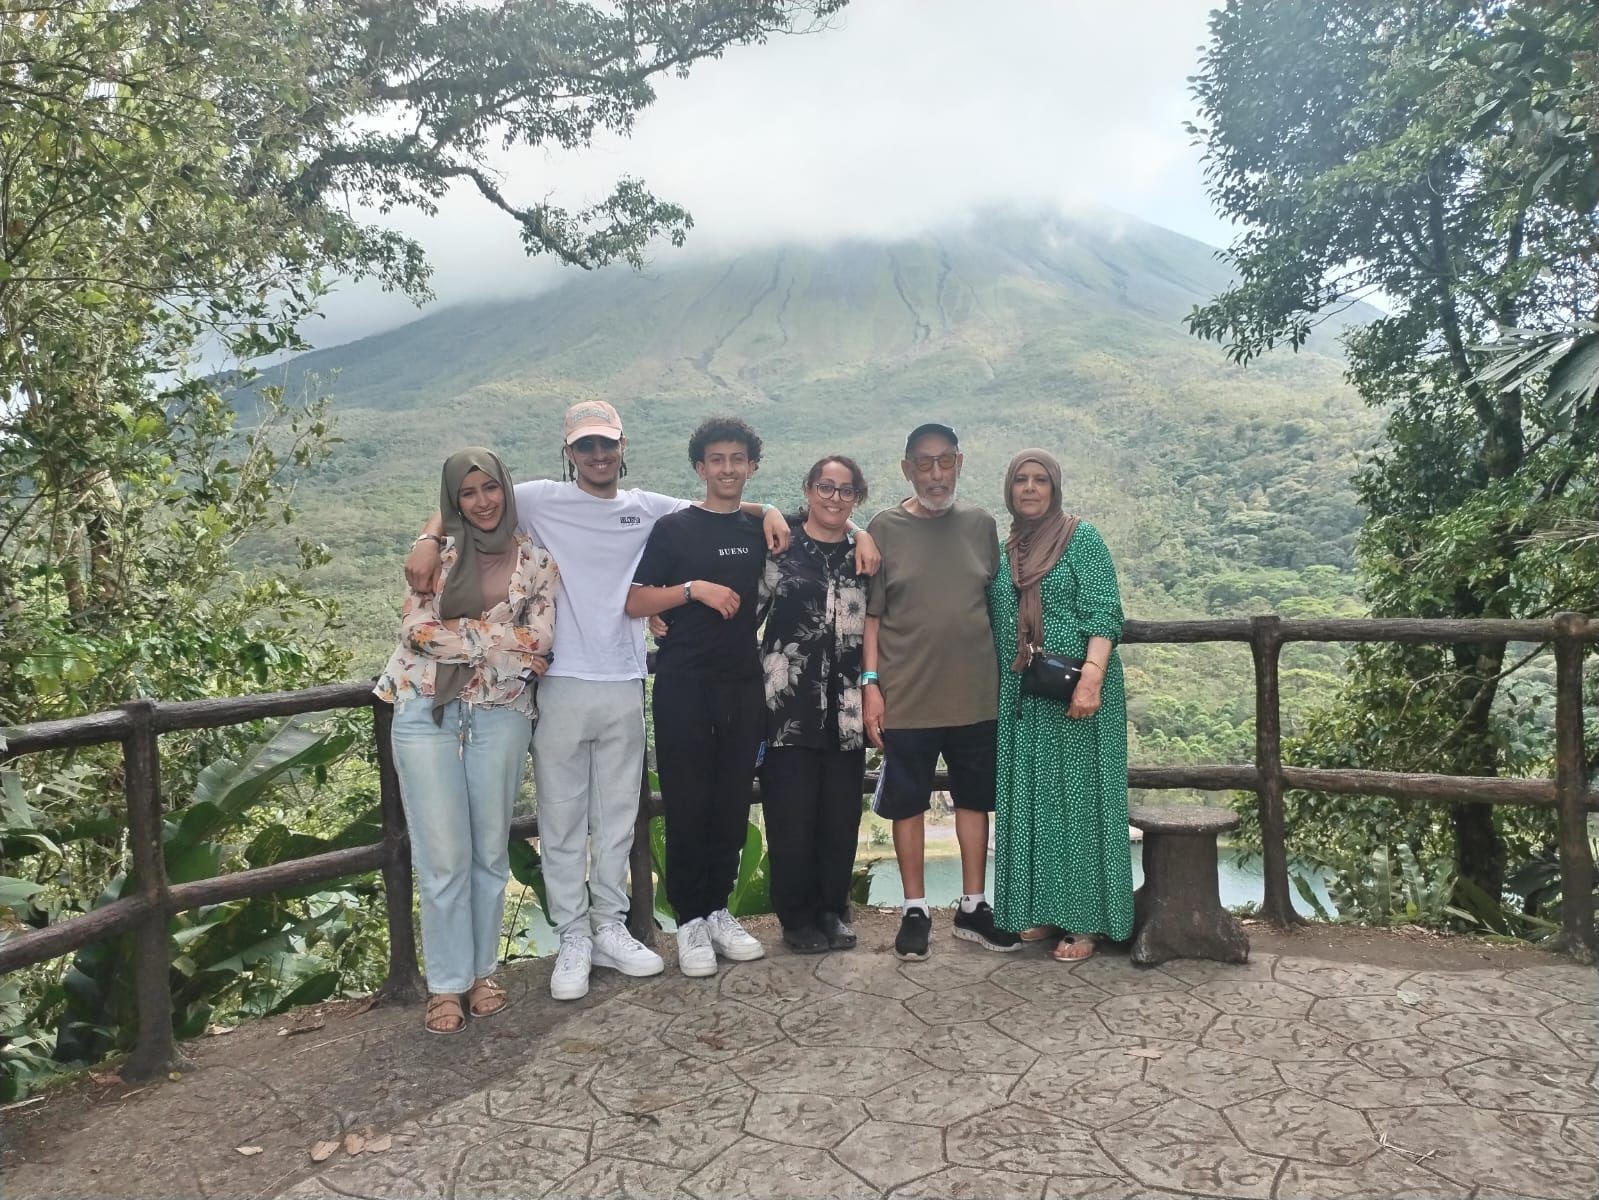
[[597, 544]]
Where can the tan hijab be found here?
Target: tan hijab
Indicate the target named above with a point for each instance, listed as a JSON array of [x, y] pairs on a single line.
[[480, 555], [1034, 547]]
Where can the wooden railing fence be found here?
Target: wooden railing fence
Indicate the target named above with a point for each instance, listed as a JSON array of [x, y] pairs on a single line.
[[144, 914]]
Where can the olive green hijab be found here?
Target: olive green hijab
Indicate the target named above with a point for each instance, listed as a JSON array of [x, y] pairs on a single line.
[[463, 586]]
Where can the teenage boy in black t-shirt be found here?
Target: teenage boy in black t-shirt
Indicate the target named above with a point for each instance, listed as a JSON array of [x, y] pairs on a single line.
[[700, 572]]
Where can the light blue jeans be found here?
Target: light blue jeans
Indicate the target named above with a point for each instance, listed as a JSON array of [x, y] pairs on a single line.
[[459, 782]]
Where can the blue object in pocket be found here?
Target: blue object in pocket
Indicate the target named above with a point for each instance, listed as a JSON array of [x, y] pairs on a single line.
[[877, 792], [760, 754]]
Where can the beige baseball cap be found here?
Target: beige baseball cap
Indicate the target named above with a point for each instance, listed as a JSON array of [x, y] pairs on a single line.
[[592, 417]]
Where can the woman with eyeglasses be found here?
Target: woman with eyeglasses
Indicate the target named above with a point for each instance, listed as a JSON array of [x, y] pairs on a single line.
[[815, 744]]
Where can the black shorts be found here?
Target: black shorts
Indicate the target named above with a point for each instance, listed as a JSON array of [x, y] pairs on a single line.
[[910, 758]]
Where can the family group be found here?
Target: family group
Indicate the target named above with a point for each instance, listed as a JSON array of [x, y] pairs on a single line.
[[788, 643]]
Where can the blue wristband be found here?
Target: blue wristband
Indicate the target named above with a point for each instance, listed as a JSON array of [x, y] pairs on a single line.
[[868, 677]]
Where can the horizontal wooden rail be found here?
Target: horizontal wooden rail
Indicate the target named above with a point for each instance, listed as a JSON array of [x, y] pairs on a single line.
[[64, 937], [236, 710], [1351, 629], [279, 877]]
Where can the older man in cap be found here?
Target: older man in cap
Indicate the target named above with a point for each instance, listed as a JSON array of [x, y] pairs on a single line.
[[932, 681]]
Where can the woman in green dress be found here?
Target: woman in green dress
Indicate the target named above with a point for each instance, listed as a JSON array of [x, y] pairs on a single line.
[[1062, 864]]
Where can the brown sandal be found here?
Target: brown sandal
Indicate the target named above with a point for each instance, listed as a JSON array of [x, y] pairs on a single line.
[[1074, 947], [444, 1015], [486, 998]]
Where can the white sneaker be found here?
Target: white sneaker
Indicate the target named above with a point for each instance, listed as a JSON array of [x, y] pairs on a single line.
[[731, 939], [695, 954], [570, 979], [618, 949]]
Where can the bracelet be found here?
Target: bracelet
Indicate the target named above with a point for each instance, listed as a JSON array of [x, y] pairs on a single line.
[[1088, 662], [766, 508], [688, 592], [868, 677]]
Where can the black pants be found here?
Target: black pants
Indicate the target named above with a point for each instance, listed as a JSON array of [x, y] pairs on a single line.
[[812, 802], [706, 738]]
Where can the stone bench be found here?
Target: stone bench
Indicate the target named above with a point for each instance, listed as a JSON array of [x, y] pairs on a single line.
[[1178, 912]]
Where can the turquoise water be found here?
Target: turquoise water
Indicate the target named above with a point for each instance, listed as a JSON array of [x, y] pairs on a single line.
[[1239, 878]]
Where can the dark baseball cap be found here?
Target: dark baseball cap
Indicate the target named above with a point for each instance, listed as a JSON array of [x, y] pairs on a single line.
[[928, 427]]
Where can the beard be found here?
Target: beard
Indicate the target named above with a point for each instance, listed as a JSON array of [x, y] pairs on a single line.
[[943, 504]]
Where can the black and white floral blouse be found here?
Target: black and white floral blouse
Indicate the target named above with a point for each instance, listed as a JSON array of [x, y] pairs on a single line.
[[812, 644]]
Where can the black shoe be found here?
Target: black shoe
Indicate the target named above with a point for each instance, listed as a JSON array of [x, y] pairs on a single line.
[[910, 944], [839, 935], [978, 926], [807, 939]]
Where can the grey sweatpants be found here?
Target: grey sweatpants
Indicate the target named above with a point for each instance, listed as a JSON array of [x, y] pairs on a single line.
[[588, 754]]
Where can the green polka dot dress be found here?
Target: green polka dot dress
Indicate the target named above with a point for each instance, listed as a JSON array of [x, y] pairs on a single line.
[[1061, 855]]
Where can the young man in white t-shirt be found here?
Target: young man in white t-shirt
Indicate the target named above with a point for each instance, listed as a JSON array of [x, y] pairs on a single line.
[[588, 745]]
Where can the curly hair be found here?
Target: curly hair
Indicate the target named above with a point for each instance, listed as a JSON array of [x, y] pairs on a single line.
[[843, 460], [723, 429]]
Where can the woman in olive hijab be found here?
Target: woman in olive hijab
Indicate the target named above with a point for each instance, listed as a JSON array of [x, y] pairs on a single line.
[[462, 682], [1062, 865]]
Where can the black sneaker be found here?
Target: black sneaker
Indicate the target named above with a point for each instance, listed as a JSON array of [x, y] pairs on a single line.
[[910, 944], [978, 926], [807, 939], [839, 935]]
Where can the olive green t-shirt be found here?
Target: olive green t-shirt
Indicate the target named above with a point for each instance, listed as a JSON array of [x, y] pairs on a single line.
[[935, 651]]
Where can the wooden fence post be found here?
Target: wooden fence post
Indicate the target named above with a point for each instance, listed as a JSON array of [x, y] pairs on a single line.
[[1571, 786], [154, 1050], [1266, 644], [404, 982], [641, 864]]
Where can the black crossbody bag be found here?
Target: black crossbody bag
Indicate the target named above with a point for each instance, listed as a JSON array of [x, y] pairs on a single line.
[[1047, 674]]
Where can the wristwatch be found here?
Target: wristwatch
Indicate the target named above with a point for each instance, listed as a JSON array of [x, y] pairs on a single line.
[[688, 592]]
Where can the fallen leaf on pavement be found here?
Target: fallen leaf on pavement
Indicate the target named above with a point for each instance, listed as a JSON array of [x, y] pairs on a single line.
[[307, 1027], [354, 1143], [323, 1150], [379, 1144], [219, 1030], [1408, 997], [105, 1078], [1145, 1052], [248, 1151], [367, 1005]]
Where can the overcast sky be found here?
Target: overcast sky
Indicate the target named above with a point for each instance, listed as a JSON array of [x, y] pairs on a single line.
[[903, 115]]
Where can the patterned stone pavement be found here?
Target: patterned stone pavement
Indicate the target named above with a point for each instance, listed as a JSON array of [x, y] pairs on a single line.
[[986, 1075], [973, 1074]]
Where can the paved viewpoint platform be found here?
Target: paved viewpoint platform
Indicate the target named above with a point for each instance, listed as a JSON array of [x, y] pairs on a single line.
[[973, 1074]]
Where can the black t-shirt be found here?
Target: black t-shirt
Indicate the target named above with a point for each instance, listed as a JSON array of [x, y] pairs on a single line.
[[724, 548]]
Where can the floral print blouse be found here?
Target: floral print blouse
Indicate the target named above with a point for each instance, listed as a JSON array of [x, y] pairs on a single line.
[[496, 645], [812, 645]]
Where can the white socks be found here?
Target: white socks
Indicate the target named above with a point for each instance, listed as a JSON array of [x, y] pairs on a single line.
[[969, 903], [921, 903]]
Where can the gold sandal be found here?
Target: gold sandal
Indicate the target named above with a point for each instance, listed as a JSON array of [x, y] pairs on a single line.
[[441, 1010], [1041, 933], [1074, 947], [486, 998]]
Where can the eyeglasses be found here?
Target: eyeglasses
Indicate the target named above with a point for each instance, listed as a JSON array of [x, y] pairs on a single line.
[[827, 489], [594, 443], [924, 463]]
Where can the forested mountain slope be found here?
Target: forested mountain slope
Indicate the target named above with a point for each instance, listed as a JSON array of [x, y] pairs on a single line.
[[1221, 489]]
